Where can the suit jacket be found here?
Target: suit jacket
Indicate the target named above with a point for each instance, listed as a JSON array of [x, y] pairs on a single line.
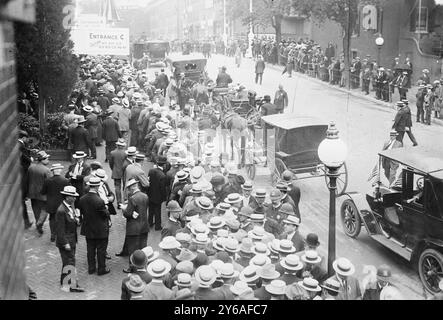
[[65, 227], [36, 177], [95, 216], [111, 130], [298, 241], [209, 294], [138, 202], [91, 125], [80, 138], [353, 291], [116, 161], [176, 189], [295, 194], [157, 188], [260, 66], [170, 228], [401, 120], [51, 189], [77, 182], [289, 278], [156, 290]]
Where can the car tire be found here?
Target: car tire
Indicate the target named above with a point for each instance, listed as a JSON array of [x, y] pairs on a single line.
[[350, 219], [430, 269]]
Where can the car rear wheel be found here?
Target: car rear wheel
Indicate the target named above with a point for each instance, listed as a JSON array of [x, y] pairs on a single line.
[[350, 219], [430, 269]]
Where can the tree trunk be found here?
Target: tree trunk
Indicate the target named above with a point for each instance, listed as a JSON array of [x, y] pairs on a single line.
[[42, 110], [276, 23]]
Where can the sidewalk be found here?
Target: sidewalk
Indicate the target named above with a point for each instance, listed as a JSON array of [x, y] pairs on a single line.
[[371, 97]]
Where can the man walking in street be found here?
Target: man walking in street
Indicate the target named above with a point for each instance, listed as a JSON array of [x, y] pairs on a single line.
[[111, 133], [157, 192], [403, 122], [95, 227], [420, 102], [136, 214], [281, 99], [259, 69], [51, 189], [37, 175], [80, 138], [223, 79], [116, 160]]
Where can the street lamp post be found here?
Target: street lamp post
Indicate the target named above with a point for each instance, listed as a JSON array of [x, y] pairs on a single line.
[[332, 153], [225, 34], [379, 42], [251, 33]]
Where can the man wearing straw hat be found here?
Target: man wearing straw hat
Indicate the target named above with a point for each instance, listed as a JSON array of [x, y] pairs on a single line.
[[156, 290], [267, 274], [206, 276], [81, 141], [111, 133], [95, 227], [349, 286], [66, 223], [78, 171], [52, 190], [134, 288], [291, 265], [136, 214], [135, 171], [116, 160]]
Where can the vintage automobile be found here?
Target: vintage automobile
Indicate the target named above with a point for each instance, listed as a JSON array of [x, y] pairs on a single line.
[[295, 148], [147, 53], [407, 216], [193, 66]]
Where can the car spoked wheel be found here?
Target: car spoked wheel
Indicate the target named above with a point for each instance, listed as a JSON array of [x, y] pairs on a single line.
[[430, 267], [350, 219]]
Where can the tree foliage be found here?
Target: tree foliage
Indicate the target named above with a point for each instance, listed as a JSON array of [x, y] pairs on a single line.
[[45, 59]]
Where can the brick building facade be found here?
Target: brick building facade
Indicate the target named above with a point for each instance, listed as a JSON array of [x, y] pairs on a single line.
[[12, 261]]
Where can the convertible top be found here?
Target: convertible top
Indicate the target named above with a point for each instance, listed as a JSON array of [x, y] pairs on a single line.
[[290, 122], [418, 158]]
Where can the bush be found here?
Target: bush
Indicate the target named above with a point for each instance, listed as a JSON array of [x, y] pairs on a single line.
[[29, 124], [55, 137]]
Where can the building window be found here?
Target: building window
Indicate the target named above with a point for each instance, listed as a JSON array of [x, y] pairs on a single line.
[[420, 20]]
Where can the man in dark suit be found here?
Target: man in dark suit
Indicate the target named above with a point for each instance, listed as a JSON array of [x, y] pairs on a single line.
[[268, 108], [78, 171], [373, 289], [80, 138], [291, 232], [400, 121], [294, 191], [51, 189], [91, 125], [349, 285], [36, 177], [116, 160], [111, 133], [281, 99], [259, 69], [136, 214], [66, 223], [95, 227], [157, 192], [223, 79], [162, 82], [173, 224]]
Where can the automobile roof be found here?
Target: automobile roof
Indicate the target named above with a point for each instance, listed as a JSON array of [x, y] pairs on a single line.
[[184, 58], [290, 122], [419, 158]]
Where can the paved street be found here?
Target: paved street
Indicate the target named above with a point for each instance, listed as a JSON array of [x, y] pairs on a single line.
[[363, 125]]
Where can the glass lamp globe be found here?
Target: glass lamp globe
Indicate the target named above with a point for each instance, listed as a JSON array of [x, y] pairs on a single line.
[[332, 151], [380, 41]]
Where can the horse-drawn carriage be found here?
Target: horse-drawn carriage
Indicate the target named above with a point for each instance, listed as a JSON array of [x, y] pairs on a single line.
[[291, 143]]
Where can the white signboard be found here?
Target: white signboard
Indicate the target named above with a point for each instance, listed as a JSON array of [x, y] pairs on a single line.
[[369, 18], [101, 41]]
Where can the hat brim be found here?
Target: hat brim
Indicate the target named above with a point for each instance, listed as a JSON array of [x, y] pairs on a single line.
[[271, 290], [274, 276], [162, 246], [248, 280], [341, 272], [79, 157], [136, 289], [325, 286], [203, 283], [154, 256], [303, 258], [190, 258], [267, 253], [296, 268], [292, 250], [317, 289], [69, 194], [57, 168], [158, 275], [221, 225]]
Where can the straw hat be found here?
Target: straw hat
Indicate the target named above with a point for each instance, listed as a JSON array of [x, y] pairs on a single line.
[[183, 237], [286, 246], [332, 285], [56, 166], [234, 198], [268, 272], [132, 151], [218, 243], [310, 284], [202, 238], [185, 267], [135, 283], [205, 276], [199, 228], [169, 243], [261, 248], [184, 280], [291, 262], [69, 191], [159, 268], [259, 260], [204, 203], [246, 246], [101, 174], [258, 233], [150, 254], [276, 287], [79, 155], [94, 182], [343, 267], [231, 245], [216, 223], [311, 257], [227, 271], [186, 255], [239, 288], [249, 274]]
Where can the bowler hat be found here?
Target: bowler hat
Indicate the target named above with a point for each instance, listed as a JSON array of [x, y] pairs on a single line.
[[312, 240], [138, 259]]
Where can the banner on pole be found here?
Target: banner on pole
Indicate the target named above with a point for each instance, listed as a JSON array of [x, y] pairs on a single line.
[[101, 41]]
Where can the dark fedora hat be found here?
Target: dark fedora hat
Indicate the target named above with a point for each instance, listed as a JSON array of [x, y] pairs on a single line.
[[312, 240]]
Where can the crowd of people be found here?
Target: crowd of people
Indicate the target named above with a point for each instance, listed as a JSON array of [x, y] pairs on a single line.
[[224, 237]]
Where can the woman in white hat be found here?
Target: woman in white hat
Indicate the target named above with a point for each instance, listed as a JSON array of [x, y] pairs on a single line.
[[66, 222]]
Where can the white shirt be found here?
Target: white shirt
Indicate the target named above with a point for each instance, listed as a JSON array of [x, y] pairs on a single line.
[[289, 237], [246, 201], [78, 169], [102, 193], [71, 211]]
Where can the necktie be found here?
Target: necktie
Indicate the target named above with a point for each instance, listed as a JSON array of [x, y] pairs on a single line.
[[345, 285]]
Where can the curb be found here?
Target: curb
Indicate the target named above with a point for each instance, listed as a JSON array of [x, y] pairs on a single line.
[[353, 93]]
